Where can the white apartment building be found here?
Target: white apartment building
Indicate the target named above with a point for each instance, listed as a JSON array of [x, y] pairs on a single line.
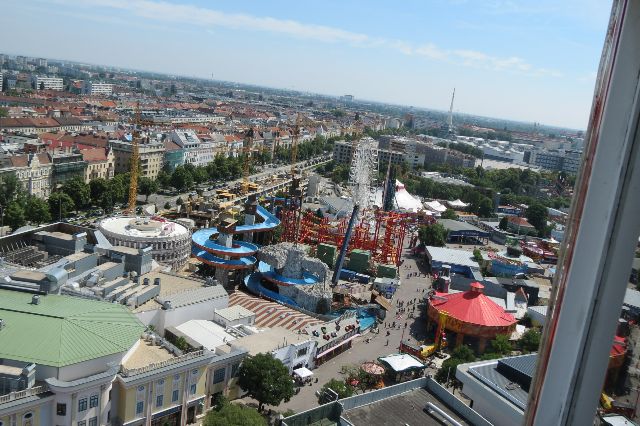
[[1, 80], [97, 88], [151, 157], [47, 83], [196, 152]]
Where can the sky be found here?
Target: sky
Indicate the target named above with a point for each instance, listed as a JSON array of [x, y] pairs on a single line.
[[521, 60]]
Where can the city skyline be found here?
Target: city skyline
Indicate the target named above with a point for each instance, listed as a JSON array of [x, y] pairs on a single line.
[[547, 54]]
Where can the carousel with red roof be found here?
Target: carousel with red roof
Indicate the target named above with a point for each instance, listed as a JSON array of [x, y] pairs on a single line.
[[471, 315]]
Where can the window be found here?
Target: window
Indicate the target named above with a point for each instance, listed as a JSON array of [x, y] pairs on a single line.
[[218, 375], [192, 389], [61, 409], [82, 404], [93, 421], [302, 351], [175, 395], [82, 423], [159, 400], [93, 401], [139, 407]]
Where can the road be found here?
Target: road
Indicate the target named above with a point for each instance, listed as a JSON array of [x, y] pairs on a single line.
[[160, 200], [361, 351]]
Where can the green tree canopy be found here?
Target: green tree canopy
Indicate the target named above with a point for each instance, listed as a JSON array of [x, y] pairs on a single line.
[[338, 386], [233, 415], [147, 186], [181, 179], [537, 216], [14, 215], [449, 214], [60, 205], [37, 210], [501, 344], [433, 235], [97, 187], [79, 192], [266, 379], [530, 340], [504, 223], [10, 186]]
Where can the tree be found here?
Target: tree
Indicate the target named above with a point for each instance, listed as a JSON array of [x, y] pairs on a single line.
[[530, 340], [433, 235], [97, 187], [477, 256], [338, 386], [79, 192], [449, 214], [146, 187], [4, 112], [181, 179], [463, 353], [266, 379], [179, 201], [10, 186], [537, 216], [504, 223], [167, 205], [501, 344], [60, 205], [233, 415], [37, 210], [14, 215]]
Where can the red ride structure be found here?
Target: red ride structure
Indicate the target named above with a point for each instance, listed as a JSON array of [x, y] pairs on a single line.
[[381, 233]]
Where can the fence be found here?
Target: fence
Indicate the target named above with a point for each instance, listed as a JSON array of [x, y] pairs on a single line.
[[23, 394]]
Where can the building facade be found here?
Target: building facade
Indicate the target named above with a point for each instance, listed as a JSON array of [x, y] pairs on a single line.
[[151, 157], [100, 163], [97, 88], [34, 171], [47, 83]]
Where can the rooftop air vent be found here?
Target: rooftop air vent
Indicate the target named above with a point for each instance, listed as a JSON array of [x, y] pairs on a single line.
[[35, 300]]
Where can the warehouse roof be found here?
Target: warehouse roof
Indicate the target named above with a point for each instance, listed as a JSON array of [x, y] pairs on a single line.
[[63, 330], [458, 225], [451, 256]]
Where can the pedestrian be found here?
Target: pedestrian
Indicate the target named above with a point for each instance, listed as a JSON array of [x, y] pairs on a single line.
[[387, 344]]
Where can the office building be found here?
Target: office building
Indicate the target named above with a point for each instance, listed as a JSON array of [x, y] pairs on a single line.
[[97, 88], [47, 83]]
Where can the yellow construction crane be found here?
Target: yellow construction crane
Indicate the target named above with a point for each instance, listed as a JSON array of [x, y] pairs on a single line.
[[246, 164], [133, 180]]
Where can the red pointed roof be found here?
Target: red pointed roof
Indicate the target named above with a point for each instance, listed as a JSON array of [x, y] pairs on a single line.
[[473, 307]]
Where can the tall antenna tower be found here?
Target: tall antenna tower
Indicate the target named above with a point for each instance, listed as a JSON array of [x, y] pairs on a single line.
[[450, 134]]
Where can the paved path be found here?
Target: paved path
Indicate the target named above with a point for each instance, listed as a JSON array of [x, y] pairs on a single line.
[[377, 347]]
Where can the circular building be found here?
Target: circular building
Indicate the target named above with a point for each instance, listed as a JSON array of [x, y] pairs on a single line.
[[170, 242], [469, 314]]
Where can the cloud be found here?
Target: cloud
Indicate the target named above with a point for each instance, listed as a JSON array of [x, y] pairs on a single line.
[[210, 19]]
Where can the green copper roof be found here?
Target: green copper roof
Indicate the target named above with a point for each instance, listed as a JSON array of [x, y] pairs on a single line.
[[63, 330]]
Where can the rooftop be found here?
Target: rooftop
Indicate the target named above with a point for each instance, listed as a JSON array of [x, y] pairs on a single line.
[[169, 285], [141, 227], [269, 340], [146, 354], [233, 313], [405, 409], [63, 330], [457, 225], [204, 333], [451, 256]]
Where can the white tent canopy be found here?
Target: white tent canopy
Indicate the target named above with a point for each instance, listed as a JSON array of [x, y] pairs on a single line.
[[401, 362], [303, 372], [457, 204], [435, 206]]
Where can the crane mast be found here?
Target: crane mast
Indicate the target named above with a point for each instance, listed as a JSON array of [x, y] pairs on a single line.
[[246, 149], [294, 144], [135, 154]]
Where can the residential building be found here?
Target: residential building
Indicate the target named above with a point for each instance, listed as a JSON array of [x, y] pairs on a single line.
[[173, 155], [100, 163], [41, 62], [47, 83], [1, 80], [34, 171], [151, 157], [559, 160], [195, 151], [66, 167], [97, 88], [29, 126]]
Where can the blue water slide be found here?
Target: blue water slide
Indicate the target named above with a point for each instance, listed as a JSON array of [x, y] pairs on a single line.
[[253, 283]]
